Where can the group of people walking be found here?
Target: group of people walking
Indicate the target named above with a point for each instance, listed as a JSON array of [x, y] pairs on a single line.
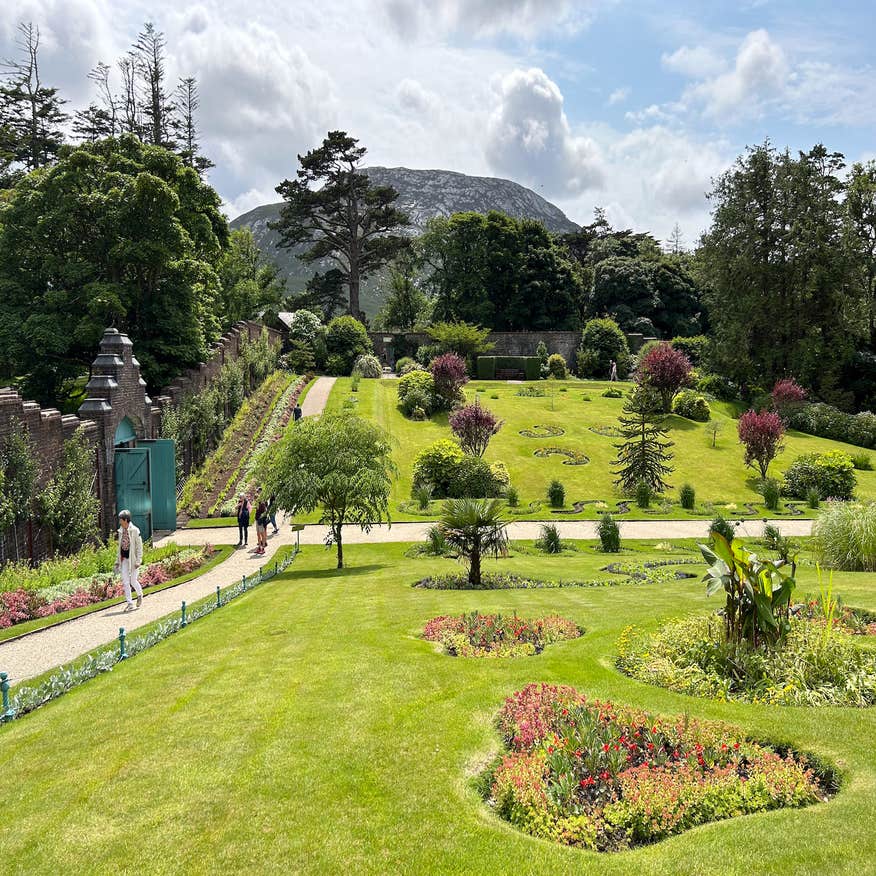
[[265, 514]]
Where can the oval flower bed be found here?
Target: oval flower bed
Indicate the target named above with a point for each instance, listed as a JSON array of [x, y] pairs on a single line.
[[606, 777], [496, 635], [21, 605], [814, 667]]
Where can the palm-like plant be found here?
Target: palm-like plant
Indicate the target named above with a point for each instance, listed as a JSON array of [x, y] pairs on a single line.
[[475, 527]]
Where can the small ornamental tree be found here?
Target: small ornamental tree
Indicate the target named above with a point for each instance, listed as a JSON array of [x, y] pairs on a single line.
[[643, 457], [761, 433], [448, 373], [474, 426], [788, 397], [474, 528], [341, 465], [666, 370]]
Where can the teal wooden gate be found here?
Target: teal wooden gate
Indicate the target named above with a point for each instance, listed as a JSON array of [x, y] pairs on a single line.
[[133, 486]]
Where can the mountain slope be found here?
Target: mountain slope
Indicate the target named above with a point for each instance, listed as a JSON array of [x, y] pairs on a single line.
[[422, 194]]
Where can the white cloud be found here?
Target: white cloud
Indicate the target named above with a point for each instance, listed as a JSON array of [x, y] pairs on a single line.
[[529, 138], [619, 95], [760, 74], [487, 18], [652, 113], [414, 98], [696, 62]]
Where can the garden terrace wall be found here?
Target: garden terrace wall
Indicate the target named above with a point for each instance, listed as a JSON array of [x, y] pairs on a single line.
[[115, 392]]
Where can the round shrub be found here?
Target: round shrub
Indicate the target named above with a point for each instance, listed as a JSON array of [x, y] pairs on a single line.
[[719, 387], [408, 366], [416, 389], [697, 348], [436, 465], [692, 406], [347, 338], [448, 374], [845, 537], [474, 478], [609, 534], [687, 497], [557, 366], [831, 473], [556, 494], [601, 341], [368, 365], [612, 393]]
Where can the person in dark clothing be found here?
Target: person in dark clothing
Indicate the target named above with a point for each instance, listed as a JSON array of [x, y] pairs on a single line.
[[297, 412], [243, 510], [262, 526]]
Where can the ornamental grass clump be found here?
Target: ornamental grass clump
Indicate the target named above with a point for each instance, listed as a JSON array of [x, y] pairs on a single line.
[[609, 534], [606, 777], [549, 539], [495, 635], [845, 537]]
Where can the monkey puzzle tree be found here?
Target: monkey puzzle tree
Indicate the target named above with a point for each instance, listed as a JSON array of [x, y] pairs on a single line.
[[643, 457]]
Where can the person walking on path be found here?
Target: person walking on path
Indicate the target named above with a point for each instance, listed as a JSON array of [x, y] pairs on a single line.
[[262, 526], [612, 374], [272, 513], [129, 558], [242, 520], [297, 413]]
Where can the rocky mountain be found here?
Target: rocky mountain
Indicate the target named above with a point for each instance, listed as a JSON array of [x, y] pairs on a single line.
[[422, 195]]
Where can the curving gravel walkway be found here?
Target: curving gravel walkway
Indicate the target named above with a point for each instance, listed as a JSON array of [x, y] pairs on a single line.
[[45, 649], [314, 402]]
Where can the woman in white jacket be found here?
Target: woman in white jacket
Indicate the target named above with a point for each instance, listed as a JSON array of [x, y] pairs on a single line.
[[129, 558]]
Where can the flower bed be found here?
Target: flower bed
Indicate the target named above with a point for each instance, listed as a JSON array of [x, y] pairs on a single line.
[[855, 621], [814, 667], [606, 777], [495, 635], [21, 605], [543, 432], [573, 457]]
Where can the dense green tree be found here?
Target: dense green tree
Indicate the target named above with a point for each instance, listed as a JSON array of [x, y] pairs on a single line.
[[116, 233], [332, 207], [504, 273], [21, 471], [461, 338], [781, 295], [860, 212], [623, 288], [250, 287], [407, 305], [643, 456], [341, 466]]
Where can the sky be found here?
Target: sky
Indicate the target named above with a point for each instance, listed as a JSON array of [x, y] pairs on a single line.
[[630, 105]]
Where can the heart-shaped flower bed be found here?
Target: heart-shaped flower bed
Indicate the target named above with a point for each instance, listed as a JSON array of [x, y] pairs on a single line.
[[573, 457], [496, 635], [542, 432], [607, 777]]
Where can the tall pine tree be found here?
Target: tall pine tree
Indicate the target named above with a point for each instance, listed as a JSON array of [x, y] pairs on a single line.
[[643, 456]]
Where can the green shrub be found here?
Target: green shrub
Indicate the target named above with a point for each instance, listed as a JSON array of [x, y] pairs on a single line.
[[473, 479], [687, 497], [422, 492], [337, 366], [845, 537], [436, 465], [549, 539], [609, 534], [404, 364], [501, 478], [644, 494], [692, 406], [771, 492], [831, 473], [862, 462], [697, 348], [436, 543], [826, 421], [346, 338], [719, 387], [612, 393], [601, 341], [416, 389], [355, 380], [512, 497], [368, 366], [556, 494], [813, 498], [529, 392], [723, 527], [557, 366], [426, 353]]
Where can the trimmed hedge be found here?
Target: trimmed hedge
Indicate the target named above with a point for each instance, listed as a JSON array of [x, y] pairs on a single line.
[[487, 366]]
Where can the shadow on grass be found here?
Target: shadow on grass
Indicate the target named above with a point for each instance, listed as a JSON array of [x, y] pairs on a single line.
[[346, 572]]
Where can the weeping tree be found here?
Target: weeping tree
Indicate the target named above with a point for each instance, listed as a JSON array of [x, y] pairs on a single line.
[[643, 456], [475, 528], [340, 465]]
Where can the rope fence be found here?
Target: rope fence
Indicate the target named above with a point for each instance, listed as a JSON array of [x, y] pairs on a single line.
[[27, 699]]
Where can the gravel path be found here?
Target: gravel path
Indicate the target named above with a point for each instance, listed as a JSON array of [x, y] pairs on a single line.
[[648, 529], [43, 650], [314, 402]]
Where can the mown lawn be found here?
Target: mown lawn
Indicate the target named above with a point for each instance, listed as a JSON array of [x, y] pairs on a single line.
[[718, 475], [306, 728]]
